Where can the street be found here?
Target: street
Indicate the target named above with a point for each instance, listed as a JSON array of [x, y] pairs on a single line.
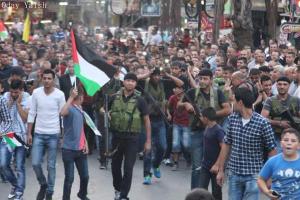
[[173, 185]]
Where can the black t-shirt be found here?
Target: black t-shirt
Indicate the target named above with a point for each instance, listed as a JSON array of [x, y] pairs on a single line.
[[212, 138], [169, 85]]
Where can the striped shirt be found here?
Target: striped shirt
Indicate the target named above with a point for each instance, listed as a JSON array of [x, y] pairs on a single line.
[[248, 143], [5, 119]]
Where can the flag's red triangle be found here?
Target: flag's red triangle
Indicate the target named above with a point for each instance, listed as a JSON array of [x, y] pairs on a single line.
[[74, 49], [2, 26]]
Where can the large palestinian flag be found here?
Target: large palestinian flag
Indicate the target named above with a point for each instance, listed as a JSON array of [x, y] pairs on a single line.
[[90, 68]]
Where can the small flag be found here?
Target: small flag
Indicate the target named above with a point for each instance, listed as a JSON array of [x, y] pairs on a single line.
[[3, 31], [91, 124], [13, 140], [92, 71], [26, 30]]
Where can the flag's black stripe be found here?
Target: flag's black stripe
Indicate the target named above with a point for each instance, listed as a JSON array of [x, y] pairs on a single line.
[[20, 140], [90, 56]]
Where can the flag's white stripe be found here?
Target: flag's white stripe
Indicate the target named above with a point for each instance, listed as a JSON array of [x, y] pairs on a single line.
[[15, 141], [91, 72]]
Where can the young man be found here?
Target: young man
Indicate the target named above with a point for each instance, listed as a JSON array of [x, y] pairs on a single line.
[[275, 106], [212, 142], [74, 147], [47, 102], [18, 109], [283, 169], [181, 130], [247, 135], [3, 179], [125, 130]]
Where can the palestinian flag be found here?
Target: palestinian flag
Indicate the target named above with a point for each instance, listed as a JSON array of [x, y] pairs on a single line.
[[92, 71], [3, 31], [13, 140]]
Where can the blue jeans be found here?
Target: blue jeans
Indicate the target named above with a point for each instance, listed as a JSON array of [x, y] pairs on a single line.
[[159, 146], [79, 159], [41, 143], [181, 137], [19, 154], [242, 187], [197, 156]]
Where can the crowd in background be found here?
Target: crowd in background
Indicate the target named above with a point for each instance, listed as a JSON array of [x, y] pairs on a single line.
[[169, 73]]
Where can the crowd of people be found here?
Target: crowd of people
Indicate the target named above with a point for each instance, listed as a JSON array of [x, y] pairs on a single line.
[[222, 108]]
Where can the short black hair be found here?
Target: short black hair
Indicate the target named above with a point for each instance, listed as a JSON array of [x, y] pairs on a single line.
[[264, 78], [284, 79], [16, 84], [290, 130], [264, 69], [18, 71], [206, 72], [228, 69], [49, 71], [243, 59], [209, 113], [254, 71], [199, 194], [176, 63], [245, 95]]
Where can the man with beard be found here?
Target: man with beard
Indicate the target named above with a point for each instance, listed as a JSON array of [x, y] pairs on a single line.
[[203, 97], [248, 134], [128, 111], [155, 95], [275, 106]]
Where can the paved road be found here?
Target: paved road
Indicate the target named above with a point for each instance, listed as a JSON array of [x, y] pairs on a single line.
[[172, 185]]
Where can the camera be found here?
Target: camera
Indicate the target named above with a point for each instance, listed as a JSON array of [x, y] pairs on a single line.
[[29, 82]]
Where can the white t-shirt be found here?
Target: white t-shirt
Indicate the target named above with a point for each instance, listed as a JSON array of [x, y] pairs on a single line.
[[46, 109]]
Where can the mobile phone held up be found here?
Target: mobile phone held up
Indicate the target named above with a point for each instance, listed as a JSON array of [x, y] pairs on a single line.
[[275, 193]]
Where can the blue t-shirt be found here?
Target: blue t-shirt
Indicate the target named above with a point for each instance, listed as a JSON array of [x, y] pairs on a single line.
[[212, 138], [73, 129], [285, 176]]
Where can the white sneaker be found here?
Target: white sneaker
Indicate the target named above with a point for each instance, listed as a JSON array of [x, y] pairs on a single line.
[[12, 193], [117, 195]]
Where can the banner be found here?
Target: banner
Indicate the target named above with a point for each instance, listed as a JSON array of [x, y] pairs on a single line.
[[150, 8]]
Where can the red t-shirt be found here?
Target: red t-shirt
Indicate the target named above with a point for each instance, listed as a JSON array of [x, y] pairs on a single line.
[[180, 116]]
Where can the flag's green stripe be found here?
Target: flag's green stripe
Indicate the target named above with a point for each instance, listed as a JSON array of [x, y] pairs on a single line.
[[9, 141], [3, 34], [90, 86], [90, 123]]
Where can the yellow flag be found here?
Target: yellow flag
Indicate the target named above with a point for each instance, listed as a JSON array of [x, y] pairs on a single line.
[[26, 30]]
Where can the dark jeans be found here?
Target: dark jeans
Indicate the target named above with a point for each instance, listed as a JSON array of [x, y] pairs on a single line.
[[126, 148], [71, 157], [205, 177], [89, 134], [169, 141], [159, 146]]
